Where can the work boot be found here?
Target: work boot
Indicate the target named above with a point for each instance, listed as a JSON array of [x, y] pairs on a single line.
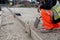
[[46, 31]]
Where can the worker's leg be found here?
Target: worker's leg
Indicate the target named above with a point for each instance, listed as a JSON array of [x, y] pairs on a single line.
[[46, 18]]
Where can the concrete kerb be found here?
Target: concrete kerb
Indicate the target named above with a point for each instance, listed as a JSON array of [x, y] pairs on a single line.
[[34, 35]]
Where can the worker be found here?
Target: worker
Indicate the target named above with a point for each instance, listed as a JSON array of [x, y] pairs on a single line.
[[46, 14]]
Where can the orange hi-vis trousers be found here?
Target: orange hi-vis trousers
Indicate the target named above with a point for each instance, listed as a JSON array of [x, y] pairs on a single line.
[[47, 21]]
